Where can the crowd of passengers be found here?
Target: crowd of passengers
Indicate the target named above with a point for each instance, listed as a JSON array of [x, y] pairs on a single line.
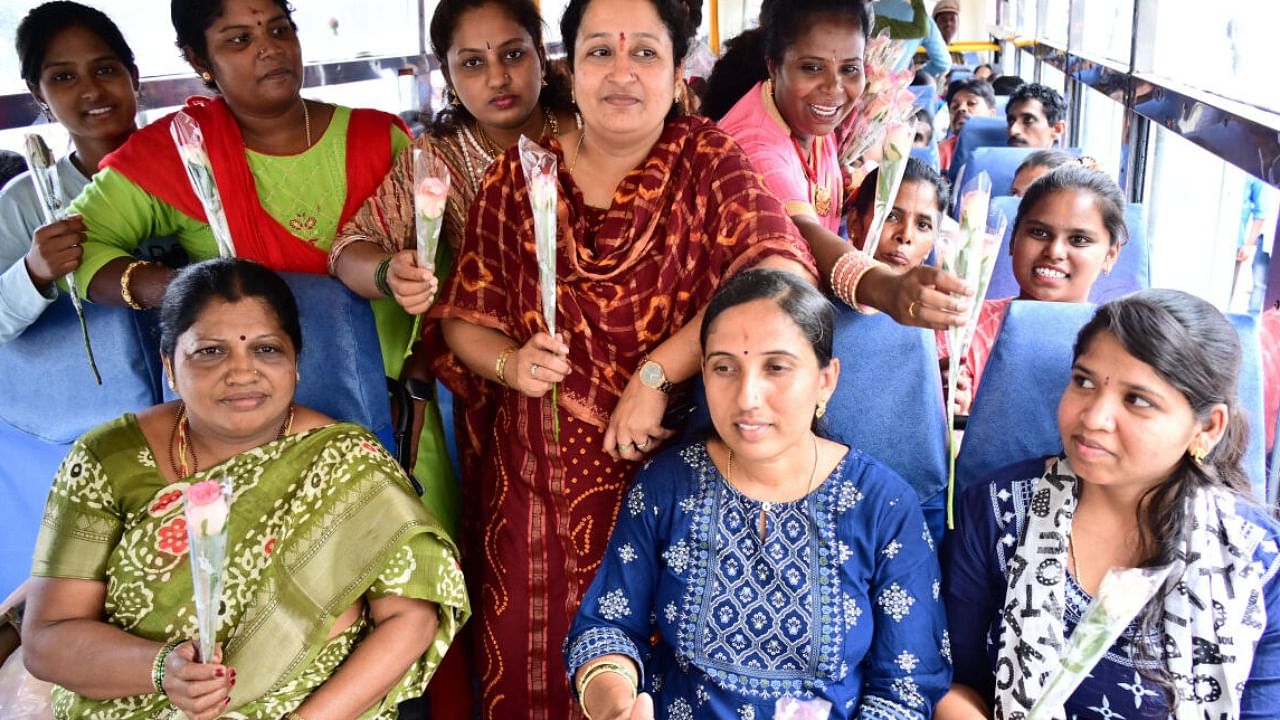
[[589, 562]]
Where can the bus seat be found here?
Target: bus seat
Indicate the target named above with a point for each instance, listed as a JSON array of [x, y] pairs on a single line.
[[888, 403], [1014, 416], [926, 96], [977, 132], [1002, 104], [927, 155], [48, 398], [341, 368], [1001, 163], [1131, 272]]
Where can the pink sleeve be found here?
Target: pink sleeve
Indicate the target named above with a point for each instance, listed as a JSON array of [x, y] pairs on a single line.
[[779, 166]]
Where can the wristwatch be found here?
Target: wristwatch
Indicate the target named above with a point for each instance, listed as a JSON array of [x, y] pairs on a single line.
[[653, 376]]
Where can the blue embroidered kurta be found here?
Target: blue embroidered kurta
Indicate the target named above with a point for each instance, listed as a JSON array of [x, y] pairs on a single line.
[[989, 522], [840, 601]]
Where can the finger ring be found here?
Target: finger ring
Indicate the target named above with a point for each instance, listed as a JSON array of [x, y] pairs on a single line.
[[533, 371], [911, 309], [624, 447], [642, 446]]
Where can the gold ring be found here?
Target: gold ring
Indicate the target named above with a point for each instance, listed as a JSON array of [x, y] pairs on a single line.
[[911, 310]]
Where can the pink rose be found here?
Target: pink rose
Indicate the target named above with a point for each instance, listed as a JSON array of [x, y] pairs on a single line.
[[206, 508], [430, 197]]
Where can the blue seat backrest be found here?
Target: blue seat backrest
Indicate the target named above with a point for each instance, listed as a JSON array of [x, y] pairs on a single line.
[[1132, 270], [1001, 163], [1014, 416], [48, 398], [927, 155], [888, 402], [341, 368], [1002, 104], [977, 132], [926, 96]]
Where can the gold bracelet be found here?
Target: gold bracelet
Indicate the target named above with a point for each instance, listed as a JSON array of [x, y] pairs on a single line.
[[292, 715], [124, 284], [500, 367], [596, 671]]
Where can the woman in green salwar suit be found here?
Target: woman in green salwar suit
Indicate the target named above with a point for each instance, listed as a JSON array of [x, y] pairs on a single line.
[[342, 592]]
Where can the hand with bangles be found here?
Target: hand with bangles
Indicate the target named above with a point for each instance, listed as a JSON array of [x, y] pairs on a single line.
[[411, 286], [539, 364], [200, 690]]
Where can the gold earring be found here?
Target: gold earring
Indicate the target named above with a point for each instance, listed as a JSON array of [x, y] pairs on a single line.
[[1198, 454], [205, 76], [822, 409]]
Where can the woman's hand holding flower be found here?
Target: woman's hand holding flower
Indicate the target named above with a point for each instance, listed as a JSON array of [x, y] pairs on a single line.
[[55, 251], [412, 286], [200, 690], [923, 296], [541, 363]]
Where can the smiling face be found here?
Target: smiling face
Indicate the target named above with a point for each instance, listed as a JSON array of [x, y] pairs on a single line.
[[763, 381], [236, 370], [254, 56], [948, 24], [88, 87], [624, 72], [494, 67], [1124, 426], [964, 105], [820, 78], [1029, 127], [1060, 246]]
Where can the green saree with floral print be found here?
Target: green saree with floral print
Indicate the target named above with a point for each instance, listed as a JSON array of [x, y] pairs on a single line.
[[319, 519]]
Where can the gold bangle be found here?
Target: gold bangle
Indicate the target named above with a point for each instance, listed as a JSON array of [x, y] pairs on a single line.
[[292, 715], [596, 671], [125, 277], [500, 367]]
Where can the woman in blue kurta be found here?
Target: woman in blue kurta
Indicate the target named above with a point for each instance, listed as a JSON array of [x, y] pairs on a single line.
[[765, 562], [1150, 475]]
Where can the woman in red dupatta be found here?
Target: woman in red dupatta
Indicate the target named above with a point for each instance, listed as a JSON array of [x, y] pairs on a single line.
[[261, 136], [653, 215]]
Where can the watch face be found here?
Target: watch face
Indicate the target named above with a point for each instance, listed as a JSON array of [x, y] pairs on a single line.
[[651, 374]]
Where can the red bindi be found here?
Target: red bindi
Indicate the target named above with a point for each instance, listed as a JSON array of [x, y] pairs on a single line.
[[622, 42], [242, 338], [487, 46]]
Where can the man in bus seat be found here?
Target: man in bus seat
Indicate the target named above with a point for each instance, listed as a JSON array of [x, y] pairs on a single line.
[[965, 99], [1037, 116]]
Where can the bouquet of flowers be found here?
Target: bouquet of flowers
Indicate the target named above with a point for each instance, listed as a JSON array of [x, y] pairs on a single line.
[[884, 101], [189, 140], [893, 165], [540, 170], [207, 506], [1121, 596], [44, 176], [970, 255]]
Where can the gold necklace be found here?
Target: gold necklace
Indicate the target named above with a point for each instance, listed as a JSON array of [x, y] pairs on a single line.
[[577, 152], [180, 442], [306, 122], [765, 505]]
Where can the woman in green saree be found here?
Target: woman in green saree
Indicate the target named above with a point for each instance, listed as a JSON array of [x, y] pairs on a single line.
[[342, 592]]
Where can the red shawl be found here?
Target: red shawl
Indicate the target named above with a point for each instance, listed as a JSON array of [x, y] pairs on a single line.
[[150, 160]]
